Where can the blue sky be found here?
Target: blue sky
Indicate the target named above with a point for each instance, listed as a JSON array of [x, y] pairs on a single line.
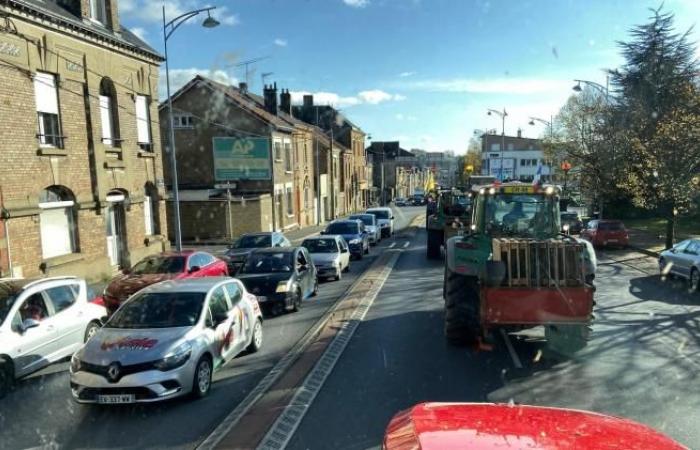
[[420, 71]]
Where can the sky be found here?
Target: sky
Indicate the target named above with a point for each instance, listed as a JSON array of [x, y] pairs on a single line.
[[423, 72]]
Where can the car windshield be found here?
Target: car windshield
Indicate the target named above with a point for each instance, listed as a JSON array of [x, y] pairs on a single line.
[[380, 214], [343, 228], [159, 310], [521, 215], [254, 241], [8, 294], [321, 245], [367, 219], [268, 263], [159, 264], [569, 216], [611, 226]]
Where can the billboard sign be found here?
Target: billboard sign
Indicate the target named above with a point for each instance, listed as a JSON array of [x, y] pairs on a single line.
[[241, 158]]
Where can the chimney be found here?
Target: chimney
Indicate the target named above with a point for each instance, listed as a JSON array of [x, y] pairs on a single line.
[[270, 97], [308, 101], [243, 87], [286, 101], [520, 133]]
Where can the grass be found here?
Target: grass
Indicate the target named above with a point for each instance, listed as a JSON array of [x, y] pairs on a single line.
[[685, 226]]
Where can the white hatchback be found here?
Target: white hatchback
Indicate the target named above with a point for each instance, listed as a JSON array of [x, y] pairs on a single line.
[[42, 321]]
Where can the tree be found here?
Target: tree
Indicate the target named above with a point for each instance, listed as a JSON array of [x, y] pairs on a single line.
[[471, 160], [658, 118]]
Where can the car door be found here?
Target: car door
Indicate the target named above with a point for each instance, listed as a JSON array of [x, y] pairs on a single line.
[[68, 316], [221, 320], [344, 253], [241, 315], [303, 269], [686, 258], [37, 345], [674, 257]]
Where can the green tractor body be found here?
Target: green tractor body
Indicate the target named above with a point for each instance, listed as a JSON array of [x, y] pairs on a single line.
[[450, 215]]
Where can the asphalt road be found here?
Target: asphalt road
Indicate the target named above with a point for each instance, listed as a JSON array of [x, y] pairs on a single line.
[[41, 413], [642, 361]]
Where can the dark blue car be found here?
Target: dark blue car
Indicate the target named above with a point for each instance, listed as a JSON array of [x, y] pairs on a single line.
[[353, 231]]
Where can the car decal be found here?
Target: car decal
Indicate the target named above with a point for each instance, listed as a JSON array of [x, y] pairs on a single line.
[[129, 343]]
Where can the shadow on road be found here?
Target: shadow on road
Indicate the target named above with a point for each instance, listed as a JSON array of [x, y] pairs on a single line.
[[674, 291]]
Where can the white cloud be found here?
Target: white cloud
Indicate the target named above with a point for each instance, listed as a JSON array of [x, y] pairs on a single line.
[[356, 3], [180, 77], [494, 86], [140, 32], [407, 118], [280, 42], [406, 74], [376, 96], [152, 11]]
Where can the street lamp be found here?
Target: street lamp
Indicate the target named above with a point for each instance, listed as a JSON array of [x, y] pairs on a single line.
[[168, 29], [599, 87], [549, 123], [502, 114]]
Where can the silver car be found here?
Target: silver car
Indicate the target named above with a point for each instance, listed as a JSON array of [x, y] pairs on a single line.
[[42, 321], [166, 341], [330, 255], [385, 220], [371, 226], [682, 260]]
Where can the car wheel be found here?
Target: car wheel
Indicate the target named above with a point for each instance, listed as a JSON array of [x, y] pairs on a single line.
[[92, 328], [694, 280], [257, 339], [202, 377], [367, 250], [6, 377], [296, 304]]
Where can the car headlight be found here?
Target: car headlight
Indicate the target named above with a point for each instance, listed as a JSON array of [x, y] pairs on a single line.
[[282, 286], [565, 227], [175, 358], [355, 241], [75, 363]]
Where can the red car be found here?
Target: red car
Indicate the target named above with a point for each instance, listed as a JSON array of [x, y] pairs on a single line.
[[485, 426], [606, 233], [156, 268]]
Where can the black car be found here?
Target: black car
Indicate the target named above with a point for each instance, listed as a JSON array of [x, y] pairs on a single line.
[[281, 278], [572, 220], [239, 251]]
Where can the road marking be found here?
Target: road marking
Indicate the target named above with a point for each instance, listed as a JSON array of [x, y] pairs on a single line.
[[406, 244], [393, 244], [281, 432], [511, 350]]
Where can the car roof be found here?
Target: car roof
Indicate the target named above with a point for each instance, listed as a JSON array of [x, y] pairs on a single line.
[[19, 284], [324, 236], [187, 285], [173, 253], [362, 215], [275, 250]]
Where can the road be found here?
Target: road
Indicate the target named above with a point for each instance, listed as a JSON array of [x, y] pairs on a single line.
[[41, 413]]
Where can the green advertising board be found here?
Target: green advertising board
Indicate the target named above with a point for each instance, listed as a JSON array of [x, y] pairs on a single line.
[[241, 159]]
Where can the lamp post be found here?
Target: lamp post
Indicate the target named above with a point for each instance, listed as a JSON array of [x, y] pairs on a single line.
[[168, 29], [549, 123], [502, 114], [605, 90]]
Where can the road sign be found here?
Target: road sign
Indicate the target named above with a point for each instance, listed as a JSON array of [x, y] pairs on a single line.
[[241, 158]]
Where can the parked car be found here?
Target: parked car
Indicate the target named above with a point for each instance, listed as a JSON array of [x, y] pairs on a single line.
[[166, 341], [330, 254], [571, 223], [385, 219], [156, 268], [604, 233], [281, 278], [683, 260], [400, 201], [239, 251], [371, 226], [354, 234], [43, 321]]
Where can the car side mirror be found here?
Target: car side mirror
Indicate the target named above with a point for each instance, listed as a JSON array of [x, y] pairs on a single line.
[[392, 217], [29, 323], [194, 269], [344, 250]]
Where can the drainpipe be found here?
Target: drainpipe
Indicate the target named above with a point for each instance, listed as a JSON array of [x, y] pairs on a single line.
[[7, 232]]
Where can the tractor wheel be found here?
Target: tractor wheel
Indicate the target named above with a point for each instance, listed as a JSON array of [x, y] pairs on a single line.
[[567, 339], [435, 238], [462, 325]]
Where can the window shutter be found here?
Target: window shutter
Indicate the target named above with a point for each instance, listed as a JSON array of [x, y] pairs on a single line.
[[148, 215], [45, 93], [143, 129], [55, 232], [106, 118]]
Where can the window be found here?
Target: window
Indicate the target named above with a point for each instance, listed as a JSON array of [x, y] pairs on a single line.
[[57, 222], [495, 147], [306, 154], [287, 156], [522, 162], [148, 215], [98, 11], [34, 308], [143, 122], [183, 120], [218, 306], [234, 293], [307, 194], [199, 260], [511, 146], [46, 97], [62, 297], [108, 113], [278, 150], [290, 208]]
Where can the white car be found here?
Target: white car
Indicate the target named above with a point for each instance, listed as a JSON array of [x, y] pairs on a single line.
[[330, 255], [166, 341], [385, 220], [43, 321]]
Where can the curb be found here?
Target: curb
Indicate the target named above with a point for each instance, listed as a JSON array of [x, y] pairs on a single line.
[[645, 251]]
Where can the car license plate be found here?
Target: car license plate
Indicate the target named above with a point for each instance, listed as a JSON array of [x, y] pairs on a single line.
[[614, 241], [115, 399], [261, 298]]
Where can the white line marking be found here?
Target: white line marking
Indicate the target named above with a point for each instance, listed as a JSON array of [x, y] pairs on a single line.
[[511, 350], [393, 244], [406, 244]]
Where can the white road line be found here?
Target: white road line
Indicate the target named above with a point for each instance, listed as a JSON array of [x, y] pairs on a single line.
[[511, 350], [393, 244], [406, 244]]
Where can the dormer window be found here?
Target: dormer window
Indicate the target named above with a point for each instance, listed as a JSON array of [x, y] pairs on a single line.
[[98, 11]]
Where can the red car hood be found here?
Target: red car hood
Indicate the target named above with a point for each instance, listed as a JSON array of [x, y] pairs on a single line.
[[484, 426]]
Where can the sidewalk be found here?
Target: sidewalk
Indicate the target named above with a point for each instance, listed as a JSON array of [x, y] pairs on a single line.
[[652, 244]]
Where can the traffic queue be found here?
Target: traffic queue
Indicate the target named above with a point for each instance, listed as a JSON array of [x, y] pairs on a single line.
[[162, 327]]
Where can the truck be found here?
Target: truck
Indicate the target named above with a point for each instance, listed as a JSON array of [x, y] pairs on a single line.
[[446, 217], [514, 269]]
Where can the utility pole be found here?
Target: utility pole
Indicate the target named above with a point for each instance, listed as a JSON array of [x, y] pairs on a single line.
[[272, 183]]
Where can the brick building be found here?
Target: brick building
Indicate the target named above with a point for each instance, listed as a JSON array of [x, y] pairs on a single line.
[[80, 168], [206, 111]]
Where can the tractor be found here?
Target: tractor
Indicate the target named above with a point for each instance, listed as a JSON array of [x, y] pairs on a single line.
[[513, 269], [450, 214]]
